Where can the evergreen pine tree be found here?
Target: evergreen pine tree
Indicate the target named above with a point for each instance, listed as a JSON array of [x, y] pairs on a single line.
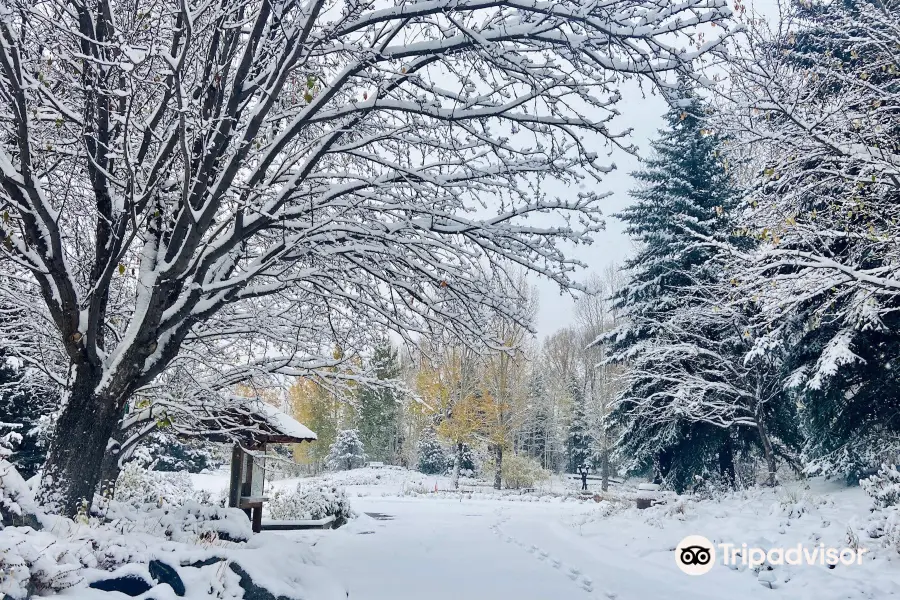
[[432, 456], [346, 452], [380, 409], [684, 189], [536, 432], [167, 452], [579, 441]]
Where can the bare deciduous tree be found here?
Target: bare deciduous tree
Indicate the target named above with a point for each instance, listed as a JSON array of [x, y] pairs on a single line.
[[165, 165]]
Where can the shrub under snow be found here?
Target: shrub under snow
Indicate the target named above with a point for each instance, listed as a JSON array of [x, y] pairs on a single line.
[[138, 486], [310, 503], [883, 487], [521, 471], [15, 497]]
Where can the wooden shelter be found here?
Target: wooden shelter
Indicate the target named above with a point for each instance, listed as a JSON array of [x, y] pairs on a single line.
[[248, 468]]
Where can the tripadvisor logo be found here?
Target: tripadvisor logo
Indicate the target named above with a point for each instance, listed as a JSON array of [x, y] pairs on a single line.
[[696, 555]]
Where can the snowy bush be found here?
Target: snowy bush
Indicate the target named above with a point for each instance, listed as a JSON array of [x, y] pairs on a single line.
[[311, 502], [346, 452], [34, 562], [9, 439], [884, 526], [189, 522], [432, 457], [883, 487], [15, 498], [712, 487], [520, 471], [138, 486]]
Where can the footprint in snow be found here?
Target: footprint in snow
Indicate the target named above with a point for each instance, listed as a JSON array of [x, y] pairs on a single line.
[[533, 549], [556, 563]]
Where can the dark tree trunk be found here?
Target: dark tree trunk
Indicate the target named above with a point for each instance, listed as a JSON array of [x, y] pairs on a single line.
[[85, 426], [726, 462], [604, 469], [604, 458], [771, 465], [498, 475]]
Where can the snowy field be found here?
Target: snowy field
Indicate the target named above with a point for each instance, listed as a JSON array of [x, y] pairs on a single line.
[[410, 542]]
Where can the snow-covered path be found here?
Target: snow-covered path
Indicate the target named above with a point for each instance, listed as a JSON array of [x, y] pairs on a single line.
[[540, 547], [447, 550], [440, 550]]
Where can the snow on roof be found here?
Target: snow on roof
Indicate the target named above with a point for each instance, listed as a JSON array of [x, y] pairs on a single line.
[[285, 424]]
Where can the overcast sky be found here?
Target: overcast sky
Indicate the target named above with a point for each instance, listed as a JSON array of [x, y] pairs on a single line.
[[645, 116]]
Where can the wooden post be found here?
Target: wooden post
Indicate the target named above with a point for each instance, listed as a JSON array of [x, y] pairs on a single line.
[[234, 486], [257, 519]]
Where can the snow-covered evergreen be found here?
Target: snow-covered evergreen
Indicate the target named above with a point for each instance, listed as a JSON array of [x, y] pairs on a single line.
[[432, 457], [579, 441], [679, 413], [380, 407], [347, 451]]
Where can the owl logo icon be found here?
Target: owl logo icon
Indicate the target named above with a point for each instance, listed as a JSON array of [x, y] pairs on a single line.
[[695, 555]]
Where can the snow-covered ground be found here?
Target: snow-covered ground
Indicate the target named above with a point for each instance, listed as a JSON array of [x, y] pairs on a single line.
[[410, 542]]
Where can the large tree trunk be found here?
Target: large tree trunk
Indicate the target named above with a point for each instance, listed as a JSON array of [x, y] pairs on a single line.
[[110, 468], [83, 430], [119, 450], [498, 474]]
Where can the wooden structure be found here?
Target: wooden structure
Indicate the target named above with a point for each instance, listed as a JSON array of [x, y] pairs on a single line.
[[248, 467]]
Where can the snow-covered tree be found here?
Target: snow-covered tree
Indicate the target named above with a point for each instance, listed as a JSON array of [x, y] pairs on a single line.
[[24, 413], [347, 451], [579, 440], [504, 376], [535, 435], [819, 102], [684, 191], [710, 368], [18, 417], [595, 313], [432, 456], [190, 182], [380, 406]]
